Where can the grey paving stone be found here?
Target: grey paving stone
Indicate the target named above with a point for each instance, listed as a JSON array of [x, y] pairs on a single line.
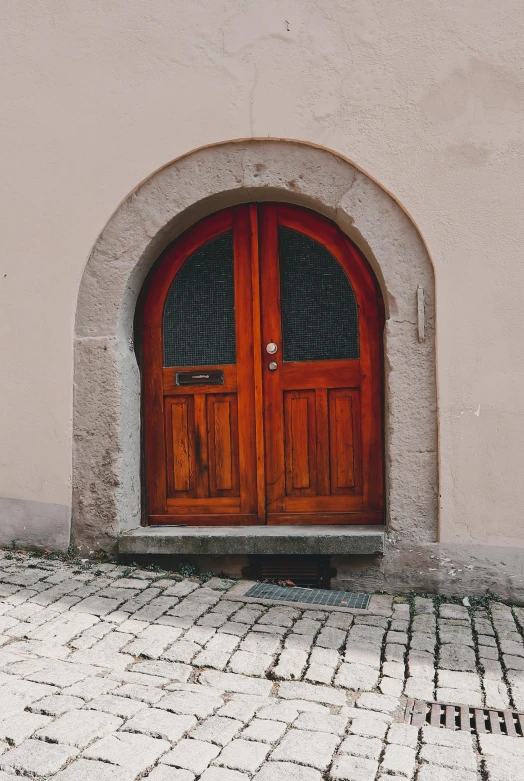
[[56, 704], [280, 616], [123, 707], [260, 642], [421, 665], [307, 691], [456, 634], [331, 637], [286, 771], [307, 748], [129, 750], [135, 691], [291, 664], [359, 746], [399, 760], [90, 687], [319, 673], [242, 707], [248, 614], [245, 755], [166, 773], [377, 702], [347, 768], [173, 671], [320, 722], [234, 628], [79, 728], [307, 626], [191, 703], [160, 724], [358, 677], [368, 727], [181, 651], [363, 653], [217, 651], [18, 727], [249, 663], [395, 653], [457, 657], [89, 770], [37, 758], [98, 606], [153, 641], [231, 682], [419, 688], [403, 735], [199, 634], [217, 729], [294, 642], [445, 737], [193, 755], [264, 731], [434, 772], [279, 711], [496, 694], [223, 774], [459, 697], [452, 757], [181, 589]]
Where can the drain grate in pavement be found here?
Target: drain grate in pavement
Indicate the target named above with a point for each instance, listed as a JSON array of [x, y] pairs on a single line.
[[461, 717], [311, 596]]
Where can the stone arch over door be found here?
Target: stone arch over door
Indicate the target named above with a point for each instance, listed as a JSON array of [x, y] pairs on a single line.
[[107, 482]]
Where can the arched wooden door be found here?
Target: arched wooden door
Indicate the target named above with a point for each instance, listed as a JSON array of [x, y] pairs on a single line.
[[262, 374]]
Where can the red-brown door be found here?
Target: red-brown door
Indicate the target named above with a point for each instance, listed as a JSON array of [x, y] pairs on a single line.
[[261, 374]]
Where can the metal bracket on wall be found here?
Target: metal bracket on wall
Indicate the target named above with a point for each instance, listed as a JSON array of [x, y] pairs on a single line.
[[420, 314]]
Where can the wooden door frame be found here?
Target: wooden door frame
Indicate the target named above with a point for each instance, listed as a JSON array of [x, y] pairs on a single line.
[[151, 308]]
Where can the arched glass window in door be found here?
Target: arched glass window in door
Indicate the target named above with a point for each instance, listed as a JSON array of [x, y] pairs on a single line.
[[319, 308], [199, 313]]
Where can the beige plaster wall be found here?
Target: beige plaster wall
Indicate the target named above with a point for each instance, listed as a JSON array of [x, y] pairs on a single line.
[[428, 99]]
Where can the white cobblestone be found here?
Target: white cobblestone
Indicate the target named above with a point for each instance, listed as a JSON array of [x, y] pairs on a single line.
[[243, 755], [79, 728], [286, 771], [193, 755], [307, 748], [37, 758], [346, 768], [129, 750], [264, 731]]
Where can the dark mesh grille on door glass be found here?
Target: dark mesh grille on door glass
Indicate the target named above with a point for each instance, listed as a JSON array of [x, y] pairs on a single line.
[[319, 309], [199, 313]]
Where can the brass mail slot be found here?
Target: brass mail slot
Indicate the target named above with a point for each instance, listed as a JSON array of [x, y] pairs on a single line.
[[203, 377]]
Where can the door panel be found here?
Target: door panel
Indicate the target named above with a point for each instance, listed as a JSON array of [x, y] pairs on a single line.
[[320, 308], [300, 442], [198, 313], [292, 436]]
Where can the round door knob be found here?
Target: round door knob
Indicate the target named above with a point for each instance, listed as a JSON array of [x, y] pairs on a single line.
[[271, 348], [272, 365]]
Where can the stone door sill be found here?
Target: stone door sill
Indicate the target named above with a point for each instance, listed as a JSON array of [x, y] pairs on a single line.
[[254, 540]]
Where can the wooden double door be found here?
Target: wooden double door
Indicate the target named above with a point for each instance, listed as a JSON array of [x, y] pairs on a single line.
[[262, 374]]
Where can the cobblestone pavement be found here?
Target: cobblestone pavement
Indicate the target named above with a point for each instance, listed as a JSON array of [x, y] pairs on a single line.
[[110, 673]]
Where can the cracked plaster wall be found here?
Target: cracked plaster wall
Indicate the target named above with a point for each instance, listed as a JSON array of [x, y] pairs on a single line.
[[428, 100]]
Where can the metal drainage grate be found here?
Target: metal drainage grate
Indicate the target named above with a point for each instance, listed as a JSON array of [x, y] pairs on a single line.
[[311, 596], [462, 717]]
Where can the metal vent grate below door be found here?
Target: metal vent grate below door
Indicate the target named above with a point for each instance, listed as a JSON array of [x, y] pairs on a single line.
[[480, 721], [309, 596]]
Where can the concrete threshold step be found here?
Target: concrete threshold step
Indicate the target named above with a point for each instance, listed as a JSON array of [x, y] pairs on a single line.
[[251, 540]]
